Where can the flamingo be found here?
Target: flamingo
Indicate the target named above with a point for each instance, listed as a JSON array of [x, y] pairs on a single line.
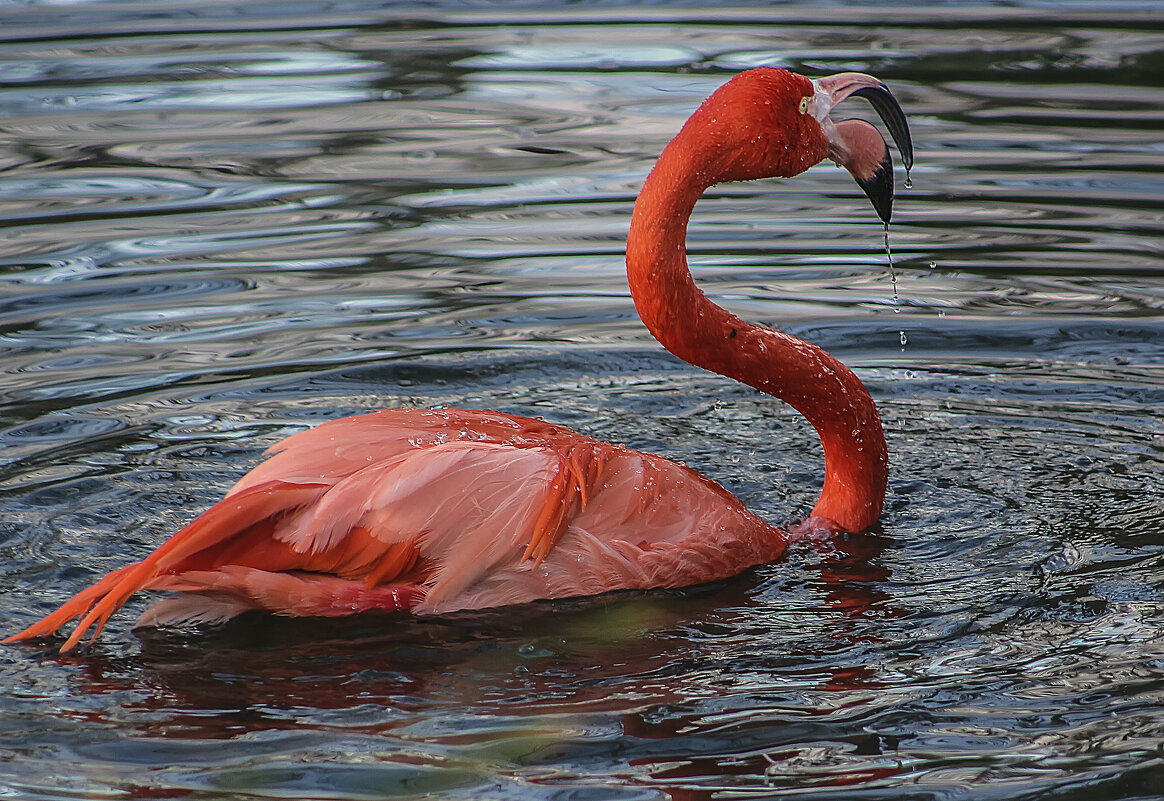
[[430, 511]]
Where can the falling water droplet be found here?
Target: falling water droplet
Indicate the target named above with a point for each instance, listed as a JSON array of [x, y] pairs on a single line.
[[903, 338], [933, 265], [908, 181], [892, 272]]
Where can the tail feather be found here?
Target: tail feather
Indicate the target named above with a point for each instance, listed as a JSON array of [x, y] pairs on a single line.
[[216, 596], [217, 524], [80, 604], [134, 579]]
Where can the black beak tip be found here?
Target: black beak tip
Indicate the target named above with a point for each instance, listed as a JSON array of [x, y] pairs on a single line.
[[879, 188]]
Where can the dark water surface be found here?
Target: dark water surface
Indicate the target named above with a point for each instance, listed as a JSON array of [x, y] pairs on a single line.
[[223, 222]]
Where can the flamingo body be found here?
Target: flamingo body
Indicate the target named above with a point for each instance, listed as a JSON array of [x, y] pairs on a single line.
[[431, 511]]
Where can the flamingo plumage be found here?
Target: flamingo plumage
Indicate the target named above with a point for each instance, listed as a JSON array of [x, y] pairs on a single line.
[[430, 511]]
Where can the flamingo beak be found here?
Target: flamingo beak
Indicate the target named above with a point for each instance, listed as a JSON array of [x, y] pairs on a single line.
[[858, 146]]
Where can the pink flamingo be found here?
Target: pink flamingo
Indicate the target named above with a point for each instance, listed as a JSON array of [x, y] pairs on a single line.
[[433, 511]]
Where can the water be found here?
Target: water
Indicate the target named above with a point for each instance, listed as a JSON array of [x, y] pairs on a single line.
[[224, 222]]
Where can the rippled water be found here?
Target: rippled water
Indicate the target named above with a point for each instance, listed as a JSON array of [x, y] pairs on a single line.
[[224, 222]]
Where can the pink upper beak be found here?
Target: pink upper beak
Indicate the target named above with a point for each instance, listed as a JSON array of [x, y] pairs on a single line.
[[858, 146]]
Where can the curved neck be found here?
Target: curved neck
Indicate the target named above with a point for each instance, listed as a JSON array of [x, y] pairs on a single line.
[[696, 330]]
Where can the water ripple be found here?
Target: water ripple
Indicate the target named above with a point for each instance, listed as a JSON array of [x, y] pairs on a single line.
[[224, 222]]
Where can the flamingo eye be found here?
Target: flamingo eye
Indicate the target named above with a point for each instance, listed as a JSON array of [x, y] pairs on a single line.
[[804, 104]]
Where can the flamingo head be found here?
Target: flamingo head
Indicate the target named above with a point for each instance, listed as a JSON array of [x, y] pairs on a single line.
[[769, 122]]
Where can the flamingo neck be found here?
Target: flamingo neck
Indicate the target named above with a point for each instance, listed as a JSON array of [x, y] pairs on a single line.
[[687, 323]]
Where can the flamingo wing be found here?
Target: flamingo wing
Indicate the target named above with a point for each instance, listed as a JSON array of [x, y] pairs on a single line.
[[433, 511]]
